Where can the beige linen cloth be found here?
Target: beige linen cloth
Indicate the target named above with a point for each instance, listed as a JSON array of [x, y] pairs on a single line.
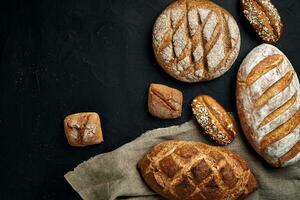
[[114, 175]]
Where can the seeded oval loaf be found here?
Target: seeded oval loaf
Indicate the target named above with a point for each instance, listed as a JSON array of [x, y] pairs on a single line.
[[264, 18], [180, 170], [268, 105], [213, 118], [195, 40]]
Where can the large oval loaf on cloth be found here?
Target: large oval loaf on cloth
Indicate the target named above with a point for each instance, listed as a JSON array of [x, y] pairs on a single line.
[[195, 40], [268, 105], [182, 170]]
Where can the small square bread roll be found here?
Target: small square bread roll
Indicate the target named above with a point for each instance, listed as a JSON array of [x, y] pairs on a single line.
[[83, 129], [164, 102]]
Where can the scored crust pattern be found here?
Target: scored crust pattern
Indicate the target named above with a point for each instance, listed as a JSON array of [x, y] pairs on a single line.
[[269, 105], [264, 17], [215, 121], [164, 102], [193, 170], [195, 40], [83, 129]]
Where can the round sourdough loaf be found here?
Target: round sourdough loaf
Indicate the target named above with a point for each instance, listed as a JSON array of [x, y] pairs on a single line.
[[195, 40], [268, 105]]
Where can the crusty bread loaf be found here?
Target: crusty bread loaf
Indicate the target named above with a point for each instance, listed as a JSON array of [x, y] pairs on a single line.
[[195, 40], [213, 118], [264, 18], [83, 129], [164, 102], [268, 105], [182, 170]]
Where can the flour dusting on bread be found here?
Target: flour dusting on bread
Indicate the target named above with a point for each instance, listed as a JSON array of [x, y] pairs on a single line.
[[268, 103]]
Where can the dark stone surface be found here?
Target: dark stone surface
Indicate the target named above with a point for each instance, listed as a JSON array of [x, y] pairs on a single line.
[[61, 57]]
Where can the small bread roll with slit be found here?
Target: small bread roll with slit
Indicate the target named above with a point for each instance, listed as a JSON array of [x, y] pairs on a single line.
[[164, 102]]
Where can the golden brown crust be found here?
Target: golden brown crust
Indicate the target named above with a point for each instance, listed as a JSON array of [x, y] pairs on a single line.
[[276, 113], [164, 102], [195, 40], [290, 154], [274, 89], [83, 129], [281, 131], [250, 135], [268, 108], [264, 18], [208, 173], [213, 118], [263, 67]]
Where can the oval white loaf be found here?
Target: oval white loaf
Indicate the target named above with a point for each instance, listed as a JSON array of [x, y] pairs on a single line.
[[268, 105]]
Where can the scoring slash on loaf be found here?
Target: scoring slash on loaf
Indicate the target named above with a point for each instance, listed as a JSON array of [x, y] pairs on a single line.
[[213, 118], [164, 102], [264, 18], [83, 129], [180, 170], [268, 105], [195, 40]]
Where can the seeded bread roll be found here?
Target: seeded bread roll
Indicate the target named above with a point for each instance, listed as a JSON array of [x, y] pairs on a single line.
[[83, 129], [268, 104], [264, 18], [213, 118], [180, 170], [164, 102], [195, 40]]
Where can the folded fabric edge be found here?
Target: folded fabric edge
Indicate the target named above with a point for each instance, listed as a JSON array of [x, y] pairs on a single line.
[[71, 176], [185, 125]]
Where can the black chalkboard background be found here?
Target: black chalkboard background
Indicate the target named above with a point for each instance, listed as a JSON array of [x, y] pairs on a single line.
[[61, 57]]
